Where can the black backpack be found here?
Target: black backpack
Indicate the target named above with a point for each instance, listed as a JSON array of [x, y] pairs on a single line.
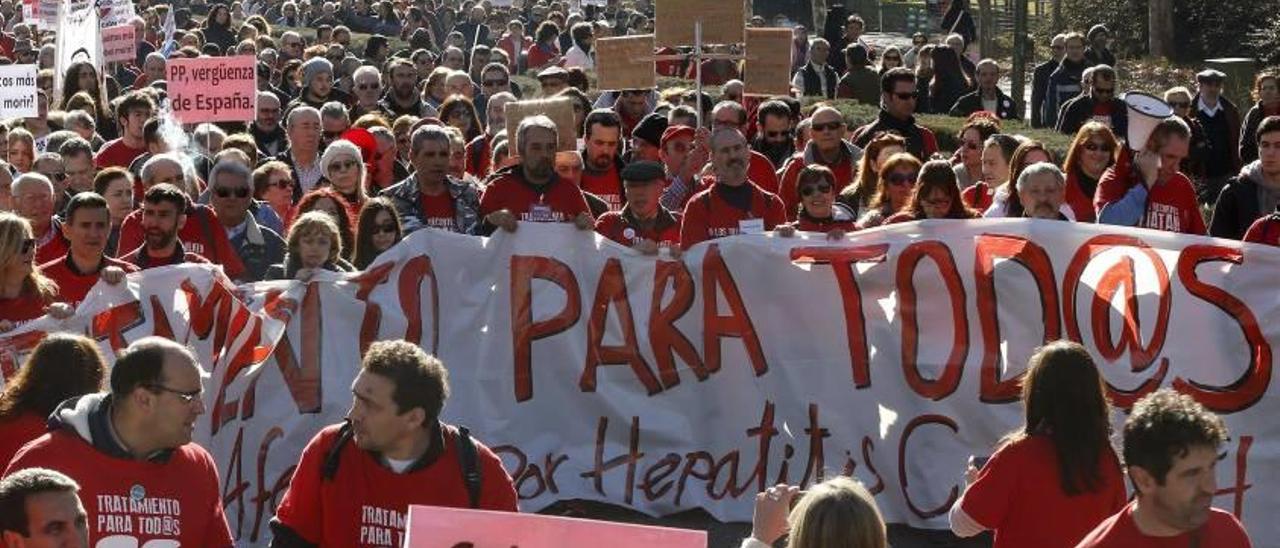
[[467, 459]]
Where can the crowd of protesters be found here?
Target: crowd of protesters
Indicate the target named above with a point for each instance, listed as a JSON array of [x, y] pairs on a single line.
[[351, 151]]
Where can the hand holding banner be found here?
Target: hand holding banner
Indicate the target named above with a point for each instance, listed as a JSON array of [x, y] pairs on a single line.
[[625, 62], [440, 527], [768, 66], [213, 89]]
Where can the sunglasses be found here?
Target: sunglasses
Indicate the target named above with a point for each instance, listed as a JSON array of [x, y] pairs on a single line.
[[343, 166], [821, 188], [238, 192], [827, 126], [367, 87], [281, 183], [28, 245], [1094, 147], [972, 145], [777, 134], [1180, 104], [1104, 91], [901, 178], [906, 96], [387, 228], [491, 83]]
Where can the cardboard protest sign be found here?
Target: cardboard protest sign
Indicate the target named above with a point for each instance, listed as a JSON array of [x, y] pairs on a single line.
[[119, 44], [768, 66], [18, 91], [559, 109], [722, 22], [441, 527], [213, 89], [625, 62]]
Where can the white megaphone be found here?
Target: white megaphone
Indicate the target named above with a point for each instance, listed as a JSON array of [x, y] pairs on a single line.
[[1145, 112]]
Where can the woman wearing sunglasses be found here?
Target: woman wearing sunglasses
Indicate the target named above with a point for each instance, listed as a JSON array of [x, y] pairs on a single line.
[[273, 184], [897, 182], [1091, 153], [377, 230], [819, 211], [25, 293], [936, 196], [343, 166]]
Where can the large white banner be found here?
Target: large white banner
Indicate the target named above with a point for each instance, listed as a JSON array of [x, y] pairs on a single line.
[[665, 385]]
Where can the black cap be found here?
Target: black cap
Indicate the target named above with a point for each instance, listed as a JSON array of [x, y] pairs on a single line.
[[642, 171], [650, 129], [1210, 75]]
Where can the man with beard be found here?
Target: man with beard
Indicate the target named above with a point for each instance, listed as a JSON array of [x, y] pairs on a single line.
[[601, 163], [826, 148], [163, 212], [1042, 188], [732, 204], [317, 85], [266, 130], [531, 190], [643, 223], [86, 229], [773, 133], [480, 149], [130, 450], [403, 98], [1171, 446], [632, 106], [393, 451], [760, 170]]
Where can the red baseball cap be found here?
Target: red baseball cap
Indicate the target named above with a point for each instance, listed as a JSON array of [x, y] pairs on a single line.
[[674, 132]]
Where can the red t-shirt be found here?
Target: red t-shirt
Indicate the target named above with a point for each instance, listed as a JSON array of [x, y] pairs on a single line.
[[52, 244], [176, 500], [844, 171], [1222, 530], [617, 226], [903, 216], [17, 432], [117, 154], [809, 224], [555, 202], [1081, 204], [1265, 230], [607, 185], [479, 156], [708, 215], [366, 504], [979, 196], [74, 285], [1019, 496], [202, 235], [437, 211], [22, 309], [140, 260], [1171, 205]]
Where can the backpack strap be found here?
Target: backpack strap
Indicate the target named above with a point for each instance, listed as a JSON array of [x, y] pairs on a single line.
[[469, 461], [333, 456]]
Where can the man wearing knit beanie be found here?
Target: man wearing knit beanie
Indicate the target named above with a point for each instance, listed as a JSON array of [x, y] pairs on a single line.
[[317, 85], [646, 137]]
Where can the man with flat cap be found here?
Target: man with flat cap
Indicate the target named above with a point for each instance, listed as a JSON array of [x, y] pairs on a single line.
[[553, 80], [1220, 120], [642, 223]]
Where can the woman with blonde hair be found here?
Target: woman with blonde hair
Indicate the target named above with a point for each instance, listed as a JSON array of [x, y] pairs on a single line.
[[314, 244], [25, 294], [837, 513]]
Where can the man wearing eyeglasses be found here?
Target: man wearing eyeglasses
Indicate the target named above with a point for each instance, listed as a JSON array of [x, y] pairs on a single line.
[[366, 86], [1040, 78], [87, 228], [131, 452], [231, 195], [267, 133], [774, 136], [898, 98], [1098, 103], [827, 147]]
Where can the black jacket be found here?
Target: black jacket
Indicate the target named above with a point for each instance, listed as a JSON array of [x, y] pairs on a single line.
[[259, 247], [919, 139], [1039, 86], [813, 84], [1006, 107], [1249, 134], [958, 20], [1099, 57], [1237, 206], [1064, 85], [1080, 110]]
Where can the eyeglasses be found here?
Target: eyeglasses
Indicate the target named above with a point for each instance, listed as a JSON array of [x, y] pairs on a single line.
[[895, 58], [821, 188], [491, 83], [238, 192], [186, 397], [972, 145], [387, 228], [1094, 147], [1180, 104], [1104, 91], [777, 134], [366, 87], [281, 183], [827, 126], [58, 176], [906, 96], [901, 178], [28, 245], [343, 166]]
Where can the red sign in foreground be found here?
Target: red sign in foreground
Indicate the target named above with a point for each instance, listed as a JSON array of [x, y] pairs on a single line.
[[438, 527]]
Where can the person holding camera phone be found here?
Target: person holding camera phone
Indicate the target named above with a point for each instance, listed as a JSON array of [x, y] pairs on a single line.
[[1051, 481]]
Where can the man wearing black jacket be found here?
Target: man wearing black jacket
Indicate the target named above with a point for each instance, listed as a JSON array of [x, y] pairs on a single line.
[[1221, 122], [1040, 78], [1098, 103], [1255, 192], [988, 96]]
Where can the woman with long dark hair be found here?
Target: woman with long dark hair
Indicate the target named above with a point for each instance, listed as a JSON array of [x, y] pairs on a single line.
[[61, 367], [458, 111], [81, 76], [545, 50], [1054, 479], [949, 80], [936, 196], [217, 28], [377, 230]]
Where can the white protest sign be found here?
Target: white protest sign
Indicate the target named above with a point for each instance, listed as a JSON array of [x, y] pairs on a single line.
[[18, 91], [79, 39], [118, 44], [115, 13]]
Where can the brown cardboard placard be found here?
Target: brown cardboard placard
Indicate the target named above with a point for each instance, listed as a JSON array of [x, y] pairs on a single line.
[[723, 21], [559, 109], [625, 62], [767, 70]]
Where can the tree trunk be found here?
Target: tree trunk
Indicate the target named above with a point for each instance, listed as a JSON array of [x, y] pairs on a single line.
[[1057, 16], [1160, 28], [820, 17], [1019, 77], [986, 29]]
